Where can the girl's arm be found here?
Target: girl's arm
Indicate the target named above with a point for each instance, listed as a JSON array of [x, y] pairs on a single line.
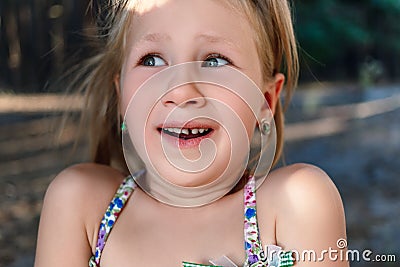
[[73, 207], [310, 218]]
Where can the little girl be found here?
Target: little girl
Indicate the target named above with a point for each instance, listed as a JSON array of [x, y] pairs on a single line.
[[184, 96]]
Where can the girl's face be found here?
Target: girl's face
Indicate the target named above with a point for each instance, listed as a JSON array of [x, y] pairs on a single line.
[[165, 33]]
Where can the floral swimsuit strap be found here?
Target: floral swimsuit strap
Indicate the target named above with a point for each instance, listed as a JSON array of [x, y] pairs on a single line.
[[255, 255], [113, 211], [252, 243]]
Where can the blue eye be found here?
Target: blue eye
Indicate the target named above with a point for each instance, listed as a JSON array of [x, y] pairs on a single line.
[[215, 61], [152, 61]]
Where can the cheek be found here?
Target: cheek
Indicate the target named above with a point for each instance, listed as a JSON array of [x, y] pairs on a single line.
[[241, 109], [130, 83], [247, 118]]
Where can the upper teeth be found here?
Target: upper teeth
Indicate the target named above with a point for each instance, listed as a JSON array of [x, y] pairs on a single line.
[[186, 131]]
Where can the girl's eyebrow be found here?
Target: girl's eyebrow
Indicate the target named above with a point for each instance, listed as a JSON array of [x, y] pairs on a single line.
[[212, 38], [154, 38], [151, 38], [208, 37]]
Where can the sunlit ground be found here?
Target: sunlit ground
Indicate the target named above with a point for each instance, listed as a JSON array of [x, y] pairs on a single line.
[[353, 135]]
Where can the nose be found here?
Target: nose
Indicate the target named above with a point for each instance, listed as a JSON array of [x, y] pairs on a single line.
[[184, 95]]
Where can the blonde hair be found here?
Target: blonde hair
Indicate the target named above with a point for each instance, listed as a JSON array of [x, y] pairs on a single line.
[[276, 47]]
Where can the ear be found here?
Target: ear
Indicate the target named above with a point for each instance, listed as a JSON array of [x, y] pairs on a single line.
[[273, 90]]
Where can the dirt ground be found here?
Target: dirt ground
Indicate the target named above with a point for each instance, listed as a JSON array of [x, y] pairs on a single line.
[[353, 135]]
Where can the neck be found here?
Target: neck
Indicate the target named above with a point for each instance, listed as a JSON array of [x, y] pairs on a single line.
[[189, 197]]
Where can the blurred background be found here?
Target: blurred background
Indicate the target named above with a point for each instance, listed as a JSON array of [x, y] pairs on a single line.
[[344, 117]]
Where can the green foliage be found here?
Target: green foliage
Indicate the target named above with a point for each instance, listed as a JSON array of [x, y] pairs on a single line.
[[342, 34], [325, 27]]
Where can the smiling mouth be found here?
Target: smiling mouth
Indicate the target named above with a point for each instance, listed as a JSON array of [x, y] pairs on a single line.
[[186, 133]]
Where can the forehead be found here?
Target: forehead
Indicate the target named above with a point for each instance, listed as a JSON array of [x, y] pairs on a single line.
[[204, 15], [143, 6]]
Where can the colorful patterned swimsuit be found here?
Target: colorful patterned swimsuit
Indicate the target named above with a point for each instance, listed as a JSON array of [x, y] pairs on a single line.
[[255, 255]]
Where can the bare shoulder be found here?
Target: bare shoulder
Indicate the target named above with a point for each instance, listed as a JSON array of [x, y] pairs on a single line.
[[74, 204], [300, 185], [308, 208], [86, 178], [88, 187]]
